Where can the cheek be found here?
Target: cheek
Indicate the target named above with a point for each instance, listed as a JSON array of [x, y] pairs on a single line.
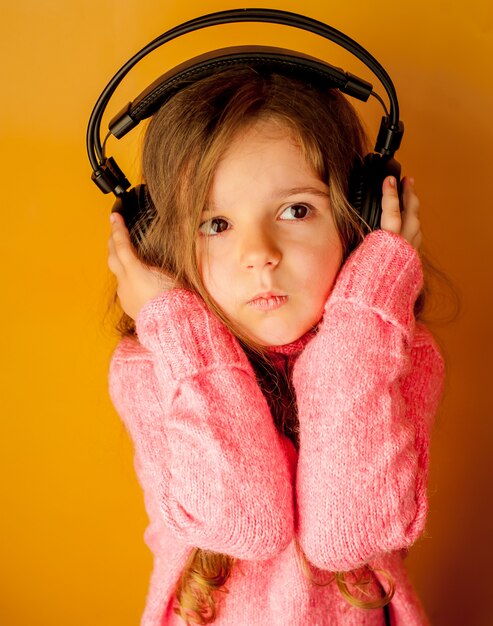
[[320, 267], [333, 260], [214, 275], [203, 263], [205, 271]]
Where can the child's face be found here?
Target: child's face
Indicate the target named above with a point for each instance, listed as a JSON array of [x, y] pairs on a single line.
[[273, 249]]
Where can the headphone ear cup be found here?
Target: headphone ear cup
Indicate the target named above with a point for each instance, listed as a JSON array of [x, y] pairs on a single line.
[[356, 186], [365, 186], [138, 211]]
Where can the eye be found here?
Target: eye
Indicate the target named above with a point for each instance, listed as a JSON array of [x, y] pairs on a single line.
[[296, 212], [214, 226]]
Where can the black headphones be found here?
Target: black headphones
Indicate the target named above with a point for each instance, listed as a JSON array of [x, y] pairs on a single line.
[[365, 185]]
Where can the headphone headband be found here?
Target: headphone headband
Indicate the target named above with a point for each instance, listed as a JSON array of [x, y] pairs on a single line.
[[261, 58], [106, 173]]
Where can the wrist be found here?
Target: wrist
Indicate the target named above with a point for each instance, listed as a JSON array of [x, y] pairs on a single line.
[[383, 273], [188, 337]]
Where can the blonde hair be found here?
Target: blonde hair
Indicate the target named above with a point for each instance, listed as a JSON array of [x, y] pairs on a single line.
[[184, 141]]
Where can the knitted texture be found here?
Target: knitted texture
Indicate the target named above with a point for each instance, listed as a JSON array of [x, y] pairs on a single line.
[[216, 474]]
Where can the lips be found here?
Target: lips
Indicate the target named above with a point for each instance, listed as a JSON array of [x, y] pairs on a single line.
[[268, 301], [266, 295]]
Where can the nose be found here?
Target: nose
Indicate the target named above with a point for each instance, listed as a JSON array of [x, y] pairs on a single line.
[[259, 249]]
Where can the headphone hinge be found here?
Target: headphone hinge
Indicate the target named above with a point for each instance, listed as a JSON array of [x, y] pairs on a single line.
[[357, 87], [110, 178], [389, 137], [122, 123]]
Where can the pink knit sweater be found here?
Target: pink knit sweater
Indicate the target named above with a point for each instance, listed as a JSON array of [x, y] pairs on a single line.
[[216, 473]]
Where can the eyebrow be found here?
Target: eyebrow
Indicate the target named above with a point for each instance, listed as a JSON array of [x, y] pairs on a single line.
[[315, 191], [285, 193]]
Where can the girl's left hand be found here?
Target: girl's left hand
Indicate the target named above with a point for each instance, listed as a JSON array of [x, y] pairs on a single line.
[[406, 224]]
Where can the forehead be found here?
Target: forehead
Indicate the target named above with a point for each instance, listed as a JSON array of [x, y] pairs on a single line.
[[262, 130], [263, 142]]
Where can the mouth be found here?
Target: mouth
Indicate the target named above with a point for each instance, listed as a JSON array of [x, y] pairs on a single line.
[[267, 294], [268, 301]]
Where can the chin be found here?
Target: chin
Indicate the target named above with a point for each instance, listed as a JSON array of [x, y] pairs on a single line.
[[279, 337]]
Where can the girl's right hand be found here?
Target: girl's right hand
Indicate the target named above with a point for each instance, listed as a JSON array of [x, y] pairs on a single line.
[[137, 282], [406, 224]]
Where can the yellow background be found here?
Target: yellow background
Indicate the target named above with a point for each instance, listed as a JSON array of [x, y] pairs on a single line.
[[72, 552]]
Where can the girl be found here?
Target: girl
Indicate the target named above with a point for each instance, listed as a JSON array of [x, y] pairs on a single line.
[[273, 372]]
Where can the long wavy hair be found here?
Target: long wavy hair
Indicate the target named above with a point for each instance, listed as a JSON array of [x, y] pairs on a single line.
[[183, 143]]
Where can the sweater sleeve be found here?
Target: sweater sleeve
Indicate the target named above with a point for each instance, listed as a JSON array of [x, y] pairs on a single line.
[[223, 479], [368, 386]]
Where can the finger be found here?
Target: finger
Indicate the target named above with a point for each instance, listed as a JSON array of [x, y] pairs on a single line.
[[418, 240], [121, 240], [411, 225], [391, 213], [411, 230], [113, 261], [410, 200]]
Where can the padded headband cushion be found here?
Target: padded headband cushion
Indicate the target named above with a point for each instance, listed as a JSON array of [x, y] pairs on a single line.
[[261, 58]]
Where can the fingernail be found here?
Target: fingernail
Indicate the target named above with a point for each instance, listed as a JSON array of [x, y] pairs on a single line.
[[112, 218], [411, 180], [392, 181]]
